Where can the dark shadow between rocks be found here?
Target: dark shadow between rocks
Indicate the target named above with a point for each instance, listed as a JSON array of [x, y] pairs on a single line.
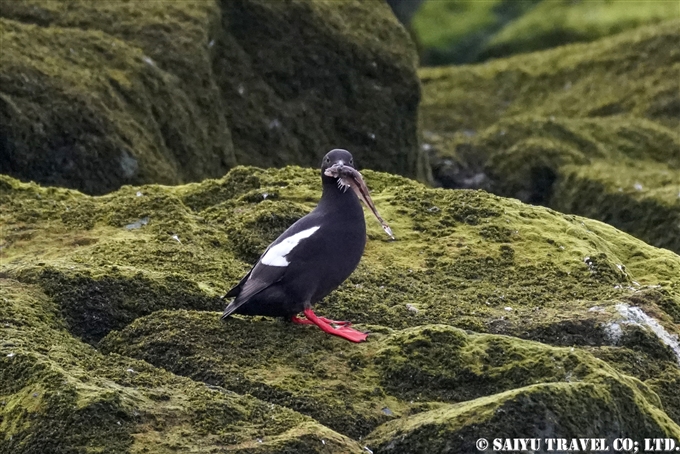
[[94, 306]]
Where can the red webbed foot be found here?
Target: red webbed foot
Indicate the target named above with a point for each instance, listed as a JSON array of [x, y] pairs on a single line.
[[326, 325], [305, 321], [300, 321], [335, 322]]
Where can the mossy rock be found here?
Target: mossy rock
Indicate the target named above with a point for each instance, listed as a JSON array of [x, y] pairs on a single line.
[[457, 32], [98, 95], [58, 394], [555, 23], [94, 286], [85, 107], [544, 411], [589, 129], [355, 390]]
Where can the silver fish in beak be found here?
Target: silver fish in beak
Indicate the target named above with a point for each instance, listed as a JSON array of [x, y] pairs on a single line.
[[349, 177]]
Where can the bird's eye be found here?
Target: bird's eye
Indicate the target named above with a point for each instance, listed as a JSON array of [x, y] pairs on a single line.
[[328, 160], [351, 162]]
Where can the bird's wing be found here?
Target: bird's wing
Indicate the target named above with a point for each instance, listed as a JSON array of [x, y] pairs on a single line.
[[237, 288], [258, 279], [272, 265]]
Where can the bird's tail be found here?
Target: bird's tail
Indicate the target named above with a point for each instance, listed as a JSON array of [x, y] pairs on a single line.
[[243, 294], [231, 307]]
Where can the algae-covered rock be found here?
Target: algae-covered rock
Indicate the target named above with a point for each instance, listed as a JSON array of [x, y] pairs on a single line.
[[97, 95], [589, 129], [112, 307], [455, 32], [304, 76]]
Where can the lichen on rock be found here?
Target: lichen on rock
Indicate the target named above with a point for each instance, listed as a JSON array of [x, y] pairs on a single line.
[[92, 108]]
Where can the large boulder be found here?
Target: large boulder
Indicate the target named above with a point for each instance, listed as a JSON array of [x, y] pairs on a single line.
[[591, 129], [483, 309], [97, 95]]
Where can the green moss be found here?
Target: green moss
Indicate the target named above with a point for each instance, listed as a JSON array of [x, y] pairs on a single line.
[[102, 425], [440, 364], [435, 25], [666, 386], [568, 165], [584, 80], [61, 395], [490, 254], [297, 106], [93, 306], [662, 376], [537, 411], [642, 198], [554, 23], [83, 267], [92, 109], [244, 356], [550, 127], [96, 96], [456, 32], [392, 376]]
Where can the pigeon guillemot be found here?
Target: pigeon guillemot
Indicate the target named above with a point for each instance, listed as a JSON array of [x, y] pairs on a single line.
[[313, 256]]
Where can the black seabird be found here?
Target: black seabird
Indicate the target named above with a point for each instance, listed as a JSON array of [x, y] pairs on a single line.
[[313, 256]]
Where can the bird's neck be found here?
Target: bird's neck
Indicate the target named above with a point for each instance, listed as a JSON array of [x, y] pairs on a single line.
[[344, 200]]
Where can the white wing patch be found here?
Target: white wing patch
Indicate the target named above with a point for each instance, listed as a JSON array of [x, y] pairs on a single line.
[[276, 255]]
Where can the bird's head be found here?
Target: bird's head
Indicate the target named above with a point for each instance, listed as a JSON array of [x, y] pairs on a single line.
[[337, 168], [336, 158]]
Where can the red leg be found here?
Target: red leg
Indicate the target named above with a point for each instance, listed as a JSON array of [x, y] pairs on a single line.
[[343, 331], [301, 321]]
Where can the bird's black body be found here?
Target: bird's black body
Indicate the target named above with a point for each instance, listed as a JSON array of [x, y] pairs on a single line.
[[327, 245]]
